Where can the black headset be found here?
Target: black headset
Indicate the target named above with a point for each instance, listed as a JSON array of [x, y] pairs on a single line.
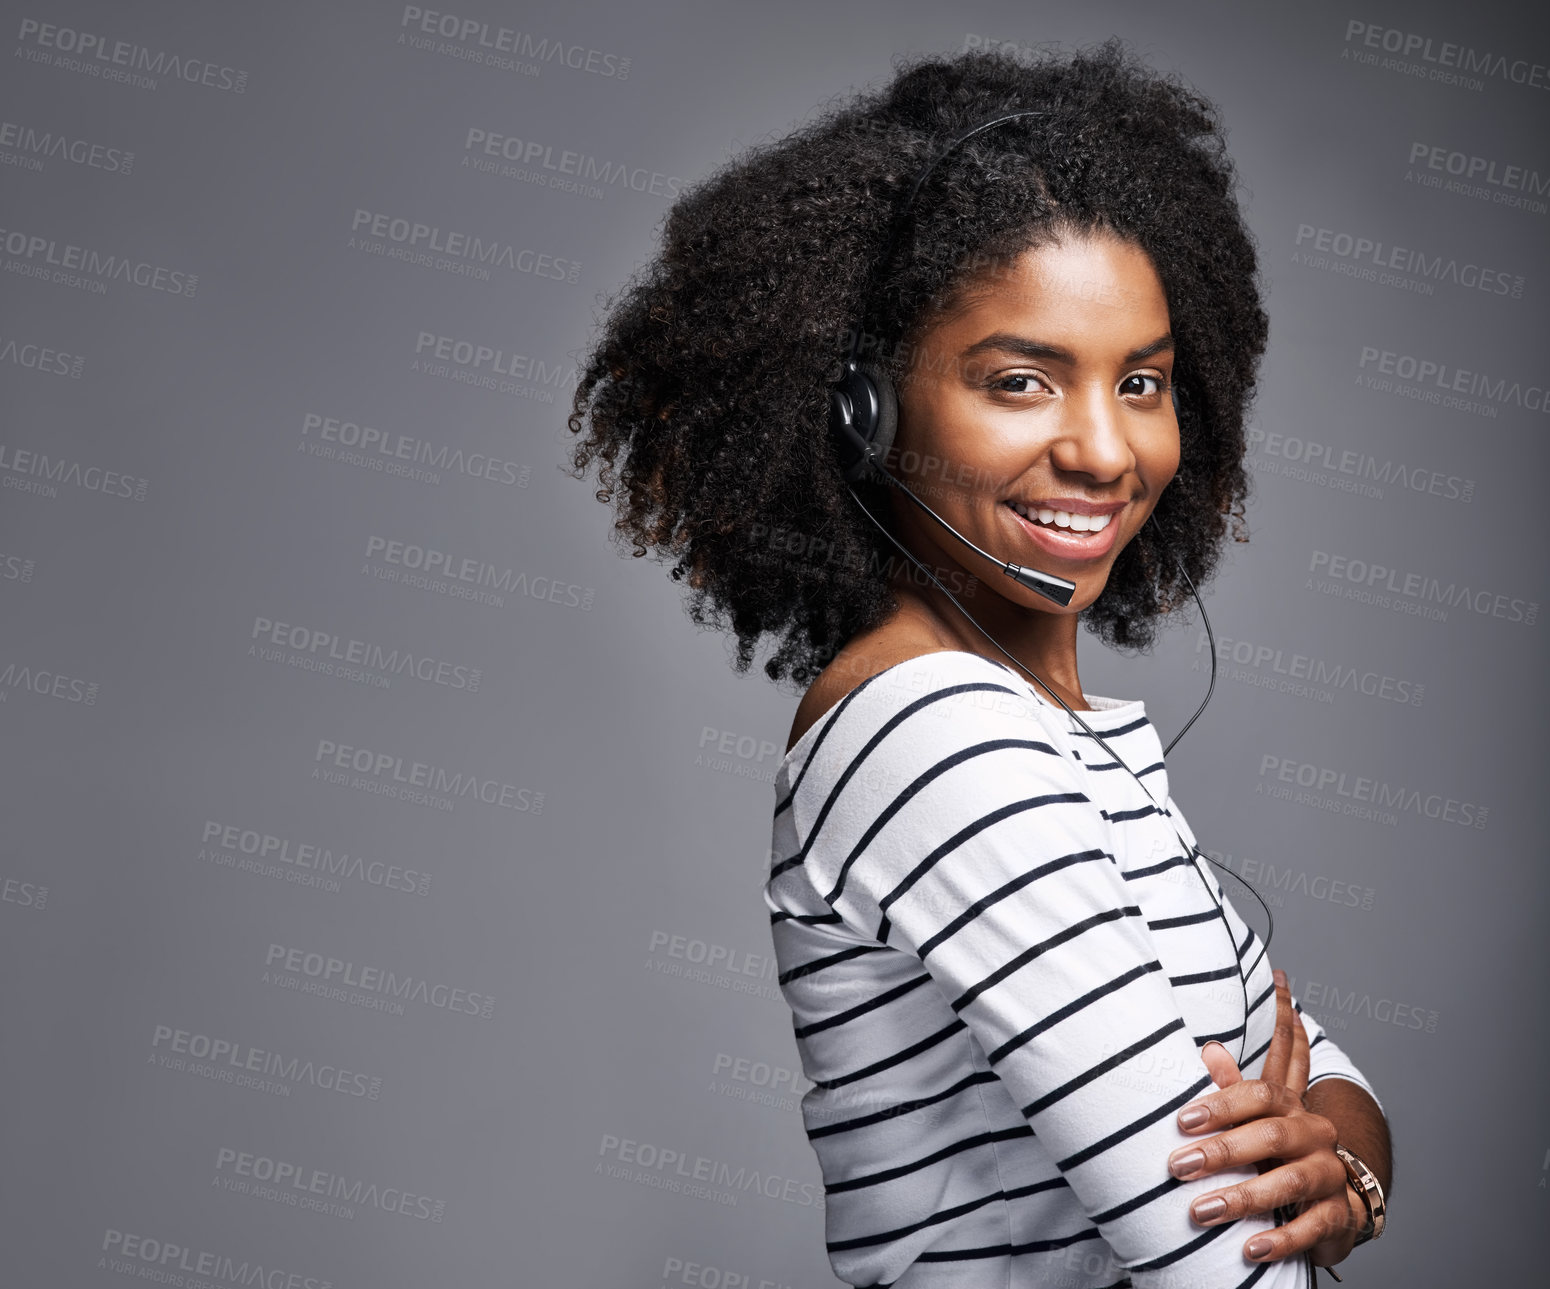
[[863, 418]]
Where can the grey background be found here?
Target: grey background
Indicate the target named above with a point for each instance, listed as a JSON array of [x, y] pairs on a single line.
[[530, 1140]]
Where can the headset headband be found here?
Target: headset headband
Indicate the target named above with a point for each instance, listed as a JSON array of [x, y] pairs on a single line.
[[909, 202]]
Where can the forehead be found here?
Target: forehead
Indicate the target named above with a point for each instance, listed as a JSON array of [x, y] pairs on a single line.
[[1095, 280]]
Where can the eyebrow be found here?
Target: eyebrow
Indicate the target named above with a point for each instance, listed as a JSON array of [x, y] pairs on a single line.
[[1023, 347]]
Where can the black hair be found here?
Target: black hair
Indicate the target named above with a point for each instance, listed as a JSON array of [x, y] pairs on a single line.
[[705, 395]]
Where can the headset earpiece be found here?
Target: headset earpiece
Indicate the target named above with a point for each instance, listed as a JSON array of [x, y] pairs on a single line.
[[887, 410], [863, 418], [1173, 393]]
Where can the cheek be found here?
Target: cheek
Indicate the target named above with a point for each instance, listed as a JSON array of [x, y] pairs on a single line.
[[1161, 462]]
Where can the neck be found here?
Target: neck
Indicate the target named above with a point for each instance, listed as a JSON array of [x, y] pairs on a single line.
[[1044, 643]]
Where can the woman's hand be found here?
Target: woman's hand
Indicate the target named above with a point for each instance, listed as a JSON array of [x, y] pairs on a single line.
[[1292, 1146]]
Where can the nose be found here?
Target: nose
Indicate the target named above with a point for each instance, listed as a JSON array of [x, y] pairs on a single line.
[[1092, 440]]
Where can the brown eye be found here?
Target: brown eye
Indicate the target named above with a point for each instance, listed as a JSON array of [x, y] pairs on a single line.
[[1156, 381], [1032, 383]]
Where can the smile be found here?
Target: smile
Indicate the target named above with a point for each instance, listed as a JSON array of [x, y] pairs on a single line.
[[1063, 534], [1061, 519]]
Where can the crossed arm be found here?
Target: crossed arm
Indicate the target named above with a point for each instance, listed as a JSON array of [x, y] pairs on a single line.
[[1288, 1130]]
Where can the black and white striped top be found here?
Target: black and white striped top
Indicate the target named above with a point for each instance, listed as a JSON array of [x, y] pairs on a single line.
[[1001, 970]]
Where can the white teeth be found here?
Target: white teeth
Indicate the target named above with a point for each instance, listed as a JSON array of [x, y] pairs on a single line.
[[1064, 519]]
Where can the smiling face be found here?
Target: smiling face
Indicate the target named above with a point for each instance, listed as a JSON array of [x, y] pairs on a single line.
[[1034, 418]]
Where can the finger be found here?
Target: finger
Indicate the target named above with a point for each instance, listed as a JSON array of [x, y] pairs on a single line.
[[1304, 1142], [1244, 1100], [1297, 1070], [1220, 1065], [1338, 1246], [1278, 1058], [1321, 1225], [1224, 1073], [1296, 1186]]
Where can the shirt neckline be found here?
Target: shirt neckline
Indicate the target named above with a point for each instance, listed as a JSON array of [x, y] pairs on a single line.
[[1103, 707]]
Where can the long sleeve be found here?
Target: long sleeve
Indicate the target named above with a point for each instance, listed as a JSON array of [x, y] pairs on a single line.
[[1326, 1059], [963, 833]]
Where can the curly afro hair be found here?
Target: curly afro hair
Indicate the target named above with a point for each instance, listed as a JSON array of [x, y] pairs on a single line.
[[711, 372]]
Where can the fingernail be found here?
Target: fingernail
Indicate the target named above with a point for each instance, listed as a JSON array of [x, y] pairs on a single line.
[[1222, 1046], [1208, 1210], [1280, 976], [1258, 1247], [1193, 1116], [1187, 1164]]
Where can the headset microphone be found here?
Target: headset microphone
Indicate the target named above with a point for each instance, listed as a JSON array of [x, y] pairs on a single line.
[[862, 419]]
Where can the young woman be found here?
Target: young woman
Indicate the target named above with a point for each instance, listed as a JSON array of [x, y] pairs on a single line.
[[1013, 980]]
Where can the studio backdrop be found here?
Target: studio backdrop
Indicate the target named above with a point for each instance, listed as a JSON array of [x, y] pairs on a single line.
[[381, 853]]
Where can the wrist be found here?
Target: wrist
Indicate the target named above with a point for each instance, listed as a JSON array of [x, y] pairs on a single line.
[[1366, 1197]]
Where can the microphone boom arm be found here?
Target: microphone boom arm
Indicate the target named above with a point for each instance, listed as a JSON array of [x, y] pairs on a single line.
[[1048, 585]]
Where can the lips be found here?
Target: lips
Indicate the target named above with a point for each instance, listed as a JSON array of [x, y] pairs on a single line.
[[1067, 544]]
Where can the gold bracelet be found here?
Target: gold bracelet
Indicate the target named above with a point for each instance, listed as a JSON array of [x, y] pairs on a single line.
[[1371, 1193]]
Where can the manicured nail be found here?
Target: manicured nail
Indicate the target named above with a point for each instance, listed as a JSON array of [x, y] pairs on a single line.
[[1258, 1247], [1188, 1164], [1208, 1210], [1280, 976], [1193, 1116], [1214, 1043]]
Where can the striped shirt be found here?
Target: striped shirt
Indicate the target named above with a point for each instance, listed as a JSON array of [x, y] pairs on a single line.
[[1001, 971]]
